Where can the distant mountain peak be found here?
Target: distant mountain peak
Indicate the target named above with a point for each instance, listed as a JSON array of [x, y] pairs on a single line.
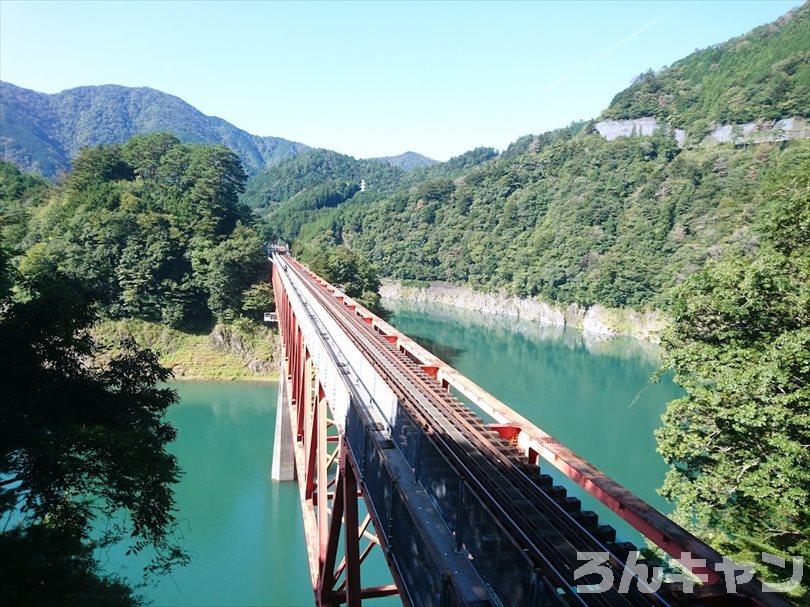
[[42, 132], [407, 161]]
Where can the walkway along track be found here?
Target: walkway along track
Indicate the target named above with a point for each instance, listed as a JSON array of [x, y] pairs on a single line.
[[499, 486]]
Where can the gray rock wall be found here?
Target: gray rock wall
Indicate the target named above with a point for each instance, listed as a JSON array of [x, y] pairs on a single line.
[[594, 320], [750, 132]]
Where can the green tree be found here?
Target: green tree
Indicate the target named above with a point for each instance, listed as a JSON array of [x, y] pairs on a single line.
[[130, 220], [341, 266], [20, 195], [231, 268], [80, 440], [258, 298], [740, 346]]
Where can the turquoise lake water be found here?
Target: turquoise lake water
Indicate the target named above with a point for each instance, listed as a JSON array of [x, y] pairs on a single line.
[[245, 533]]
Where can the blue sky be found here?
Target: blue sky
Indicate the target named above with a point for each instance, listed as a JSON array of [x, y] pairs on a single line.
[[366, 78]]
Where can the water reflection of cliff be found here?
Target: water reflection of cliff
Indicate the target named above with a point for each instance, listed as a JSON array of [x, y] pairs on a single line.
[[602, 345]]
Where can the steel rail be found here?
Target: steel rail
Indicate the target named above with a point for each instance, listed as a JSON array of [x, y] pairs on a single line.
[[509, 493], [341, 316], [488, 471], [505, 476], [368, 420]]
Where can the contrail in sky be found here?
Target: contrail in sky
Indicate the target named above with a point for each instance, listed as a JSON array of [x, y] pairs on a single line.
[[607, 51]]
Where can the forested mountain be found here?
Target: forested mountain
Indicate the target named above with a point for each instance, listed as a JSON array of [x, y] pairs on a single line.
[[314, 168], [42, 133], [407, 161], [455, 167], [151, 229], [763, 75], [713, 233], [305, 187], [586, 220]]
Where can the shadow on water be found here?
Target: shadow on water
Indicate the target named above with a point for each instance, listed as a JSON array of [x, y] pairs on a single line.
[[447, 353]]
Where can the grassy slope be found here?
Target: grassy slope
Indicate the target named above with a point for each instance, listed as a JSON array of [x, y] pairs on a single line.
[[200, 356]]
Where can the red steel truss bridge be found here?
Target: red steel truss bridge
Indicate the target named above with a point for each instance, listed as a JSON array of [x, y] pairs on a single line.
[[388, 457]]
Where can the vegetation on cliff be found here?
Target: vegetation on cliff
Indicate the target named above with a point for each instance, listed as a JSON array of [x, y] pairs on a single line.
[[240, 350]]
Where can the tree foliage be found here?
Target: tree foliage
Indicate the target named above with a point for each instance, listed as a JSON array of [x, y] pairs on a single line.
[[150, 229], [345, 268], [314, 168], [154, 229], [573, 219], [79, 441], [740, 347], [20, 194], [309, 186], [570, 217]]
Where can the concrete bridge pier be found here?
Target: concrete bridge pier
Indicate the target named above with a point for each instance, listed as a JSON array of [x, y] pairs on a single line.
[[283, 466]]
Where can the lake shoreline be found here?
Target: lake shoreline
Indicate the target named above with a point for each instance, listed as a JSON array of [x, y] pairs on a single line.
[[596, 320], [265, 379]]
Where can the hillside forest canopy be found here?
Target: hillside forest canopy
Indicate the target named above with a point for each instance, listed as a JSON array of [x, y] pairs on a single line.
[[152, 228]]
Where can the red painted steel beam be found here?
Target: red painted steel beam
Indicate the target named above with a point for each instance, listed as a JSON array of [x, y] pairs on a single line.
[[655, 526], [307, 411], [352, 542]]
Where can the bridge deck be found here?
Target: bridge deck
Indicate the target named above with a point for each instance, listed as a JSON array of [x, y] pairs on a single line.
[[520, 533]]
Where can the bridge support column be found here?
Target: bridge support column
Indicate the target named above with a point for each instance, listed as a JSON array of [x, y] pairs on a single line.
[[283, 467]]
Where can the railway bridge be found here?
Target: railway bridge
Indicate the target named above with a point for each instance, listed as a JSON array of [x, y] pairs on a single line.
[[396, 451]]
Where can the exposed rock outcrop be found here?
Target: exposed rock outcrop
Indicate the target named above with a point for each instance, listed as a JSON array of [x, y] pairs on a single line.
[[594, 320], [751, 132], [761, 132], [611, 129], [258, 349]]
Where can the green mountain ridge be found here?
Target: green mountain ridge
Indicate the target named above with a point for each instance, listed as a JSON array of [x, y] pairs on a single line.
[[407, 161], [42, 133], [313, 168], [571, 217], [762, 75]]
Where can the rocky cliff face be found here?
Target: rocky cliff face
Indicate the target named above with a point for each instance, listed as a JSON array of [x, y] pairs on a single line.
[[739, 134], [258, 349], [594, 321], [761, 132], [611, 129]]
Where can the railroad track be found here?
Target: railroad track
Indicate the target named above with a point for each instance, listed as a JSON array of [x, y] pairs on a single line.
[[548, 527]]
